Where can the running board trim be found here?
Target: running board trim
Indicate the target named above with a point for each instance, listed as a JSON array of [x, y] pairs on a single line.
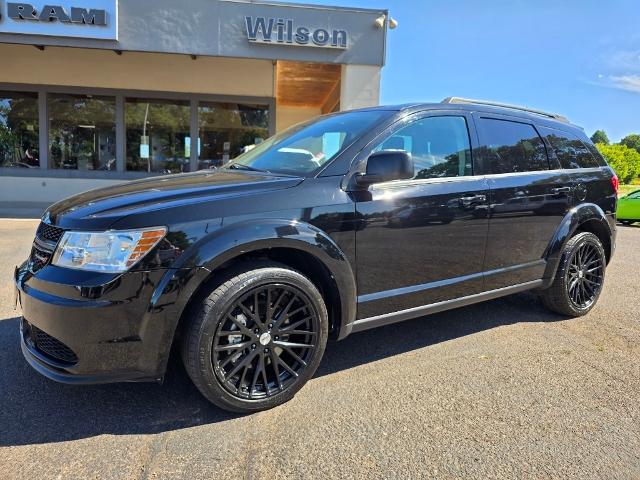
[[389, 318]]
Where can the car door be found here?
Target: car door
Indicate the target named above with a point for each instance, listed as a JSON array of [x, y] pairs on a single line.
[[629, 207], [422, 240], [528, 199]]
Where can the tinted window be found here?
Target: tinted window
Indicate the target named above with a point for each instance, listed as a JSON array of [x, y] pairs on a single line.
[[596, 154], [571, 152], [439, 146], [511, 146], [635, 195]]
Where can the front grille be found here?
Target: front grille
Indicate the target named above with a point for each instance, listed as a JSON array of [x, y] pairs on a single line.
[[38, 259], [47, 237], [49, 232], [51, 346]]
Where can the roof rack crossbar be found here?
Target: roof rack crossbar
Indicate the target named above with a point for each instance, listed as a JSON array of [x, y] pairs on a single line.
[[555, 116]]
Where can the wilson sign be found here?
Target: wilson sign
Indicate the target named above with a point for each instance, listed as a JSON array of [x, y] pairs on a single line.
[[279, 31]]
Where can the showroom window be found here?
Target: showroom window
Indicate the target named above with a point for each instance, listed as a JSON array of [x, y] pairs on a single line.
[[157, 135], [19, 130], [226, 130], [82, 132], [111, 134]]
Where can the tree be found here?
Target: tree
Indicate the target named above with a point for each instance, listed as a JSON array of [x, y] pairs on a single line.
[[632, 141], [624, 160], [600, 136]]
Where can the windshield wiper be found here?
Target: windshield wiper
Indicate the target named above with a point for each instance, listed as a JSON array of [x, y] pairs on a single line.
[[240, 166]]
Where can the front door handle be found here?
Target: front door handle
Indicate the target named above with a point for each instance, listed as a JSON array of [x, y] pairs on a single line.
[[561, 190], [474, 198]]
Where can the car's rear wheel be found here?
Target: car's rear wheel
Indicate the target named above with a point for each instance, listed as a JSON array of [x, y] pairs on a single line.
[[580, 277], [256, 339]]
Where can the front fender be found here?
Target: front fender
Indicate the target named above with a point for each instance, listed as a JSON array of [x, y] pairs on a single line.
[[570, 223], [228, 242]]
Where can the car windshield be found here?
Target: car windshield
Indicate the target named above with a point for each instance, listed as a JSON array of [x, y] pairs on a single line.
[[305, 148]]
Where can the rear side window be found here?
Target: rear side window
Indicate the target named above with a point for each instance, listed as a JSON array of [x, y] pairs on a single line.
[[512, 146], [570, 150]]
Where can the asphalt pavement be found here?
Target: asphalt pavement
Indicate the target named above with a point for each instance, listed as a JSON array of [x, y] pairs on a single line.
[[503, 389]]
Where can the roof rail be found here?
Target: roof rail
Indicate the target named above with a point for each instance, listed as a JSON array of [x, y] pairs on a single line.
[[555, 116]]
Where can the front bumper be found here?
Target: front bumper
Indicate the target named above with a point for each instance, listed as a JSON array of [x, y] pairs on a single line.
[[82, 327], [47, 366]]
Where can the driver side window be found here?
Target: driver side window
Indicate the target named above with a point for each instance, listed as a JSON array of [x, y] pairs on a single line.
[[439, 146]]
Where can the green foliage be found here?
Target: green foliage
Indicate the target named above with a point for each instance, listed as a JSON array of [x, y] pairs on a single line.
[[18, 129], [632, 141], [624, 160], [600, 136], [8, 142], [626, 189]]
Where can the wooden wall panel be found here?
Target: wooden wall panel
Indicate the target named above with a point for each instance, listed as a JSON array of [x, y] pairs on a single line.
[[300, 84]]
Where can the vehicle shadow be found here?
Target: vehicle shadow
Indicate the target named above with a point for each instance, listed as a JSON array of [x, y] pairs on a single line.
[[36, 410]]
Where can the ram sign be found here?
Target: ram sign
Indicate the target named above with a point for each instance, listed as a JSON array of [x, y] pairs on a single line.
[[58, 18]]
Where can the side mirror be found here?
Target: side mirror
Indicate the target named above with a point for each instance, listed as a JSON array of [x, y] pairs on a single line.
[[386, 165]]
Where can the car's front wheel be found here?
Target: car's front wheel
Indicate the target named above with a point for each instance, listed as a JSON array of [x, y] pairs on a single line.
[[579, 278], [256, 339]]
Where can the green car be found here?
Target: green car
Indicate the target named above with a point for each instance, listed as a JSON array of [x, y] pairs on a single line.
[[629, 208]]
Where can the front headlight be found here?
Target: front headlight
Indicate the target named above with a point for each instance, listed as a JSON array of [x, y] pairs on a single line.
[[114, 251]]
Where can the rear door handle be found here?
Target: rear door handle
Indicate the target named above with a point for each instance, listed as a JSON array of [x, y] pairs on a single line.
[[561, 190]]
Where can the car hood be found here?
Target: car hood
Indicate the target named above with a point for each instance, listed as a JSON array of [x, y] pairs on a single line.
[[100, 208]]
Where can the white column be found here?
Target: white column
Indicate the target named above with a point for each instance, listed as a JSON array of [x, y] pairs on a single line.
[[360, 86]]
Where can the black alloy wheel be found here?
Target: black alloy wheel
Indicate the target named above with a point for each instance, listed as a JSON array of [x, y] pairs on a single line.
[[256, 338], [585, 275], [265, 341], [579, 278]]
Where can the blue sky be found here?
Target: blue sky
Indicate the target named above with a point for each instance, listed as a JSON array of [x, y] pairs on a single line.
[[577, 58]]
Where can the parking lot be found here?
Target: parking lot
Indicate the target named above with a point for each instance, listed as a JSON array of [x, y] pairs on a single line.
[[502, 389]]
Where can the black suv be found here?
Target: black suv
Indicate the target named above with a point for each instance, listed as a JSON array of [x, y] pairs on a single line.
[[344, 223]]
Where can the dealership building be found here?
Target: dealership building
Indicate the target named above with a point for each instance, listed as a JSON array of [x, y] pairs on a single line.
[[94, 92]]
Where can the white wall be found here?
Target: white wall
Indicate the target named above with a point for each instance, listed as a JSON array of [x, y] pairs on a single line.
[[360, 86], [22, 191]]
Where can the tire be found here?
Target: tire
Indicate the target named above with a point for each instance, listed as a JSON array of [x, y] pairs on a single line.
[[240, 361], [573, 293], [626, 223]]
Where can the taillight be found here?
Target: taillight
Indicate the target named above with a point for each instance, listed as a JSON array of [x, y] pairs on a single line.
[[616, 183]]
